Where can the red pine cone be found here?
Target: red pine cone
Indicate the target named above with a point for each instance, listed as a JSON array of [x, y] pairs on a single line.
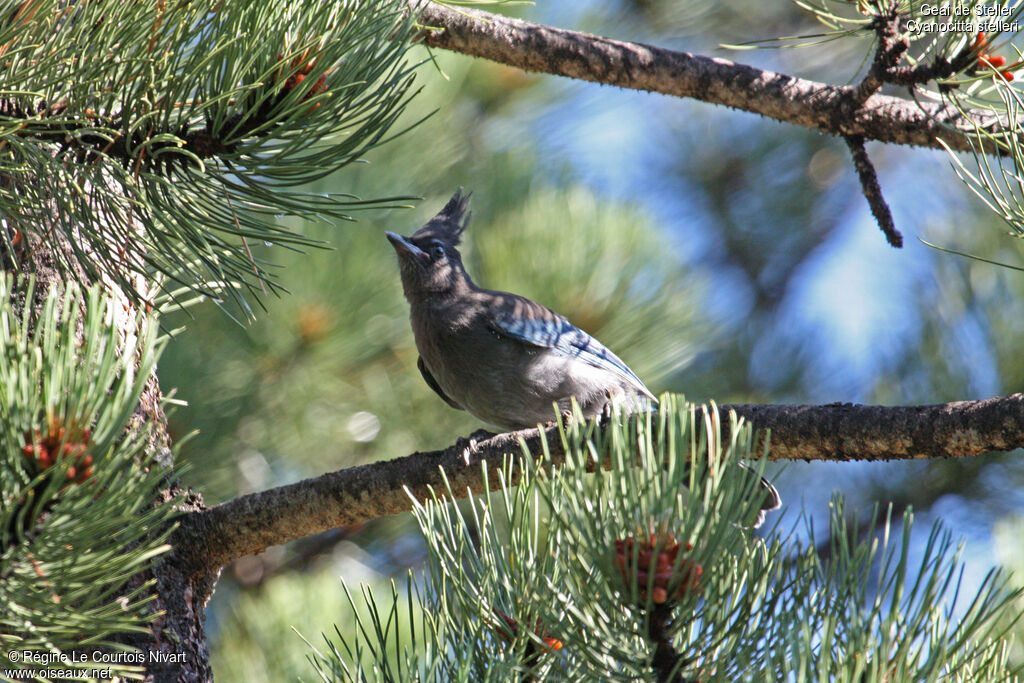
[[988, 61], [300, 67], [667, 583], [61, 444]]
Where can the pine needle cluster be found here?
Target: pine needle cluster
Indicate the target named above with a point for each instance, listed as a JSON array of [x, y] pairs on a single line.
[[635, 561], [79, 513]]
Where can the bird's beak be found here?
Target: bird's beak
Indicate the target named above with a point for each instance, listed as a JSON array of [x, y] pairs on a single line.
[[403, 245]]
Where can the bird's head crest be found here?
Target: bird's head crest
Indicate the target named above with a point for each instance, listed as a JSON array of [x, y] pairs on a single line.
[[450, 222], [429, 262]]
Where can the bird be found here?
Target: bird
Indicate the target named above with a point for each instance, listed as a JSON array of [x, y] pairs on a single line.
[[506, 360]]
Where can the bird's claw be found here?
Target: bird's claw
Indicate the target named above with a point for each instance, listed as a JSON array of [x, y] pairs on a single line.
[[469, 444]]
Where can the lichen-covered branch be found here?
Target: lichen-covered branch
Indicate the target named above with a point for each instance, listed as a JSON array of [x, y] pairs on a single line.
[[248, 524], [847, 431], [837, 110]]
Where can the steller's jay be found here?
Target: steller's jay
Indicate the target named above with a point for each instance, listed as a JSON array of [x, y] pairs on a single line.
[[501, 357]]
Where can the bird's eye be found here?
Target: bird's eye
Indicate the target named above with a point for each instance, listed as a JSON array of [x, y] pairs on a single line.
[[437, 251]]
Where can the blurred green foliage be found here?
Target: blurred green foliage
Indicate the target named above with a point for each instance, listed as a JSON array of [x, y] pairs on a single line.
[[1010, 553], [259, 637], [327, 377]]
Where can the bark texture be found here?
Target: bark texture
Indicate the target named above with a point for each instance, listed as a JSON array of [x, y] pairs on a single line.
[[179, 630], [211, 538], [837, 110]]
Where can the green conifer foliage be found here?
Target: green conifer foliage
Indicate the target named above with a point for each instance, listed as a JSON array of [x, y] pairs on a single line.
[[79, 516], [635, 562]]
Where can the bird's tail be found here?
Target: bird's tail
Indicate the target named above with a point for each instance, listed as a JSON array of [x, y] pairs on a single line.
[[772, 500]]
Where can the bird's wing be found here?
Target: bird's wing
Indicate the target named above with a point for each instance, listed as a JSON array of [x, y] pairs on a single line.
[[432, 383], [529, 322]]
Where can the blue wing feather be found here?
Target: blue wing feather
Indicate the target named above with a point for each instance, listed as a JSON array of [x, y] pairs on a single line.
[[551, 331]]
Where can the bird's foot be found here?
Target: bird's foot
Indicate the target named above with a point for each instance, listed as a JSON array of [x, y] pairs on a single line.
[[469, 444]]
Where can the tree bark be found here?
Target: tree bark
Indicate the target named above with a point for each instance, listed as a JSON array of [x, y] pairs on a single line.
[[249, 524], [180, 593], [837, 110]]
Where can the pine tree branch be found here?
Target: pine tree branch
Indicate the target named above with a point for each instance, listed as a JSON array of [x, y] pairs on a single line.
[[80, 138], [666, 660], [248, 524], [837, 110], [872, 190]]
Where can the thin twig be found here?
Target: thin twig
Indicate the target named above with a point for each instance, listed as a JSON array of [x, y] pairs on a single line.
[[666, 659], [888, 53], [872, 190], [245, 243]]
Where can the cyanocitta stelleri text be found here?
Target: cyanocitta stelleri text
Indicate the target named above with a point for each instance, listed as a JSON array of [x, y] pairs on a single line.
[[501, 357]]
